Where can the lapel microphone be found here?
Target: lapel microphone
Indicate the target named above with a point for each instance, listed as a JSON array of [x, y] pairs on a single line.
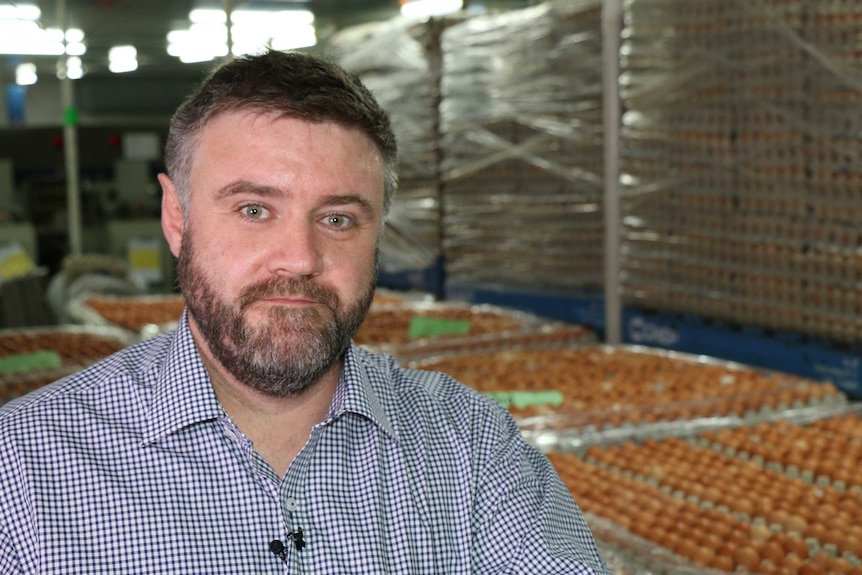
[[276, 546]]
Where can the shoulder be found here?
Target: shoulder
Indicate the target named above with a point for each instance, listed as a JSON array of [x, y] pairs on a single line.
[[117, 382], [416, 398]]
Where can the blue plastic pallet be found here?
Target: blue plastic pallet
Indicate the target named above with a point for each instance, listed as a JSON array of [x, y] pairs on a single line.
[[429, 280], [780, 351]]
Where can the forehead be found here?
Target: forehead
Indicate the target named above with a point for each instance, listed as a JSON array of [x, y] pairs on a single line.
[[255, 142]]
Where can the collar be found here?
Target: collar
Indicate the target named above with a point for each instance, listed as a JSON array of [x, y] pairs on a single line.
[[184, 396], [356, 392]]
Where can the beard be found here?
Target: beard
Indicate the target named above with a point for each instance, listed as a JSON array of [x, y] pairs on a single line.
[[290, 349]]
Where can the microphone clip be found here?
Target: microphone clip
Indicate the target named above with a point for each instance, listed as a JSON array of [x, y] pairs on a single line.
[[298, 541]]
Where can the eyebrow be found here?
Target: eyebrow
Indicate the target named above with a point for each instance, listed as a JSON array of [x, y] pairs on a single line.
[[246, 187]]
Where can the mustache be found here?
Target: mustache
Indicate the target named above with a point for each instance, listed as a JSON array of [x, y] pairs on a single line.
[[303, 288]]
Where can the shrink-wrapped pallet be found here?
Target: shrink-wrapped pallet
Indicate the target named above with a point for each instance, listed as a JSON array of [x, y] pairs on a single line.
[[521, 143]]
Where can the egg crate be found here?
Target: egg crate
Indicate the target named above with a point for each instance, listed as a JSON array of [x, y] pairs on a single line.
[[34, 357], [390, 327], [383, 296], [606, 392], [77, 346], [13, 386], [692, 506], [143, 316]]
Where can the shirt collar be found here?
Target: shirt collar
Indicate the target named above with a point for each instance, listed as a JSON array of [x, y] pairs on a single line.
[[184, 396], [356, 394], [183, 393]]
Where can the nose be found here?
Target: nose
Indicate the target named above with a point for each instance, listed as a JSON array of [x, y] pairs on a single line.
[[295, 251]]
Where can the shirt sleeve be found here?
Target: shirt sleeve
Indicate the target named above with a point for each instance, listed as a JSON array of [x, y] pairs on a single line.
[[18, 534], [525, 519], [8, 559]]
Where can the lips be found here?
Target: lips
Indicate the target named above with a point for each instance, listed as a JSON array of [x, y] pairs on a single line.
[[290, 290]]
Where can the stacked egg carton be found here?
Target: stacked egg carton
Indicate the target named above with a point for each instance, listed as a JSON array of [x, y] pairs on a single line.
[[399, 61], [740, 155], [521, 143]]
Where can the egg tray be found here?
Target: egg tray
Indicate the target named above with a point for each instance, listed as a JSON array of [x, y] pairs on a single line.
[[387, 326], [597, 408], [77, 347], [383, 296], [142, 316], [696, 506], [16, 385], [626, 553], [552, 335]]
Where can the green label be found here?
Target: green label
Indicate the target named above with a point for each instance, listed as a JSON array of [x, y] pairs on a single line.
[[30, 361], [523, 399], [421, 326], [70, 116]]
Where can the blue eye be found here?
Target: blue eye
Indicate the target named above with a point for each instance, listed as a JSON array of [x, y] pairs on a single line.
[[254, 211], [338, 221]]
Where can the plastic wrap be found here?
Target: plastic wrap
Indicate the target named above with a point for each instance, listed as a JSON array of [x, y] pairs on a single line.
[[740, 155], [521, 142], [399, 61], [577, 394]]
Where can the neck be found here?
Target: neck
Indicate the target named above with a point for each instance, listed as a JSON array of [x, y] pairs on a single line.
[[278, 427]]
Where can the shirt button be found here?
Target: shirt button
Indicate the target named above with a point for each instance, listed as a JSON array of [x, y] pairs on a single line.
[[291, 503]]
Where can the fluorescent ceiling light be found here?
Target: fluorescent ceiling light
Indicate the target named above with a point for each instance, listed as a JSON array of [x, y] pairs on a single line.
[[19, 11], [27, 38], [251, 31], [427, 8], [122, 59], [73, 35], [25, 74]]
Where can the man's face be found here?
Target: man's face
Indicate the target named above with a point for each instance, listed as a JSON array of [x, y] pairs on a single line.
[[277, 259]]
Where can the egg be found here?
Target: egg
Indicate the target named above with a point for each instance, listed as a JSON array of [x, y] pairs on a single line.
[[811, 569], [772, 551], [746, 556]]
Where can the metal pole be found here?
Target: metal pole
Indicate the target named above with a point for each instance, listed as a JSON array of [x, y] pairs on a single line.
[[611, 28], [228, 10], [70, 144]]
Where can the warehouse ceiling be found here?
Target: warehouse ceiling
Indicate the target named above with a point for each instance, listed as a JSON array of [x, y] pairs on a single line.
[[149, 94], [146, 23]]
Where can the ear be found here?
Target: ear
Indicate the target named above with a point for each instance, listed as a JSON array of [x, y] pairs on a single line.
[[172, 215]]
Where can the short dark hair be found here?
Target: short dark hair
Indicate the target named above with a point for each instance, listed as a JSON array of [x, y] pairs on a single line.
[[293, 84]]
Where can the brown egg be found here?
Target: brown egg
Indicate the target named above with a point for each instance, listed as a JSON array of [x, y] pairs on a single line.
[[778, 517], [746, 556], [796, 524], [797, 546], [773, 552], [722, 563], [851, 543], [811, 569], [792, 562], [702, 556], [760, 532]]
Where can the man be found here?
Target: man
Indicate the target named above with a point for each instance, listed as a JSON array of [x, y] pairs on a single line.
[[256, 438]]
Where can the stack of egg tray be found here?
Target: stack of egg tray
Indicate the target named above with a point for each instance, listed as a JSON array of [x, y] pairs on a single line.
[[740, 153], [142, 316], [521, 147], [418, 329], [396, 57], [606, 392], [783, 496], [75, 347]]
